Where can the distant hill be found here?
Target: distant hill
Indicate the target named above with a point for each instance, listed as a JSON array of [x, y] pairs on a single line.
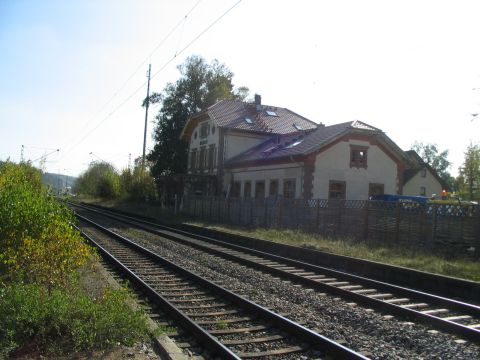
[[58, 181]]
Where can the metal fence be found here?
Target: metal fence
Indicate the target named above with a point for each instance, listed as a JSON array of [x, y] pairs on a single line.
[[439, 227]]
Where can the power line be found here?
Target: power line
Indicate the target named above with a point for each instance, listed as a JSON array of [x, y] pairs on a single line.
[[180, 22], [156, 73], [104, 119], [196, 38]]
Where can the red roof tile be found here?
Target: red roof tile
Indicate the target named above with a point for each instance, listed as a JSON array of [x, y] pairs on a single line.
[[231, 114]]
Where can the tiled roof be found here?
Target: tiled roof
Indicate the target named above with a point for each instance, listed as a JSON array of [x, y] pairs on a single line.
[[231, 114], [300, 143], [416, 163]]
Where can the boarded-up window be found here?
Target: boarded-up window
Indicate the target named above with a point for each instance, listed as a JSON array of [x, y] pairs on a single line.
[[289, 188], [336, 189], [259, 189], [247, 189], [273, 188], [375, 189]]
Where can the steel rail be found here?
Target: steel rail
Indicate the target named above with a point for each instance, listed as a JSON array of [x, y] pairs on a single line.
[[316, 340], [210, 342], [437, 322]]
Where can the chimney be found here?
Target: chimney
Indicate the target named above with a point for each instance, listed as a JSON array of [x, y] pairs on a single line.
[[258, 102]]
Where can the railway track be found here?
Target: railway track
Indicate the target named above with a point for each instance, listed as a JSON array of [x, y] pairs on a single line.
[[228, 325], [441, 313]]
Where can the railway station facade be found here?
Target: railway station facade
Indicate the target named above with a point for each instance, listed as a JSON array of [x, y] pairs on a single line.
[[251, 150]]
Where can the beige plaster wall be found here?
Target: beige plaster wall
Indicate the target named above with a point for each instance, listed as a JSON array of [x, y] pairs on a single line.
[[237, 142], [431, 184], [334, 164]]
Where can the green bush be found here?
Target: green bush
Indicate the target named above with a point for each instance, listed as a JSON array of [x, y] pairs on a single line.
[[42, 306], [31, 316], [37, 240], [137, 185], [99, 180]]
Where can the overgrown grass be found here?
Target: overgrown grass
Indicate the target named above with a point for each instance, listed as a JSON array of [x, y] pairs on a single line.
[[390, 254], [63, 321]]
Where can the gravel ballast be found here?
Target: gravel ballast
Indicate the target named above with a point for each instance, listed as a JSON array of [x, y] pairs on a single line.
[[371, 333]]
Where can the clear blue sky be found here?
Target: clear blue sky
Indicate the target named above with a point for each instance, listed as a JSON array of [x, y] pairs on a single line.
[[406, 67]]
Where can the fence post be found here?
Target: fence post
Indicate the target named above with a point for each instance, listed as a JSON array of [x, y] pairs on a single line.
[[211, 207], [434, 226], [240, 208], [317, 228], [280, 213], [252, 207], [365, 222], [397, 221], [265, 212], [229, 217]]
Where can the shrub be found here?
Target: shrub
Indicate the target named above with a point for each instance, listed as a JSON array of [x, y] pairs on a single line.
[[138, 185], [42, 305], [32, 317], [99, 180], [37, 241]]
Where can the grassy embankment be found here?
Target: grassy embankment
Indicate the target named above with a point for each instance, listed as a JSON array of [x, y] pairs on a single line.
[[396, 255], [45, 309]]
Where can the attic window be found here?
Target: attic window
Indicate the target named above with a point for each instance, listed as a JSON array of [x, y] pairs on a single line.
[[358, 156], [293, 144], [297, 126], [248, 120], [271, 113]]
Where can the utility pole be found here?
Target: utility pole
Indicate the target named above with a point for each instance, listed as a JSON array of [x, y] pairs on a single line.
[[146, 117], [21, 154]]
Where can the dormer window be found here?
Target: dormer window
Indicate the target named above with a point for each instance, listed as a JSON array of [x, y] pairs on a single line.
[[271, 113], [358, 156]]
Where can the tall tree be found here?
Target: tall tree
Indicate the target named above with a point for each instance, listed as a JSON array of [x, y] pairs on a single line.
[[436, 159], [469, 174], [199, 86]]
